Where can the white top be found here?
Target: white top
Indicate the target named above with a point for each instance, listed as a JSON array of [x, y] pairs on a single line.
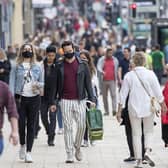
[[28, 81], [139, 101]]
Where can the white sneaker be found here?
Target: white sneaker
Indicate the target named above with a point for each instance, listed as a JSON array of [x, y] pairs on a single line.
[[22, 152], [85, 143], [60, 131], [70, 158], [138, 164], [28, 158]]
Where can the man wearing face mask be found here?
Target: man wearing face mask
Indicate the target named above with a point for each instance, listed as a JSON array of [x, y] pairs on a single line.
[[72, 88], [108, 67]]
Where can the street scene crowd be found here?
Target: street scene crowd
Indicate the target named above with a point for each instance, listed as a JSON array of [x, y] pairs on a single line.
[[53, 75]]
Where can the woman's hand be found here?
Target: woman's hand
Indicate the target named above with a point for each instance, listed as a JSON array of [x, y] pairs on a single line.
[[118, 115]]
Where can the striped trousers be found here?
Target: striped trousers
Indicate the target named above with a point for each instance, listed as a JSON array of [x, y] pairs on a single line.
[[73, 109]]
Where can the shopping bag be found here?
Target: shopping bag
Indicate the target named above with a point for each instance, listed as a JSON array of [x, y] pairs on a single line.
[[95, 124]]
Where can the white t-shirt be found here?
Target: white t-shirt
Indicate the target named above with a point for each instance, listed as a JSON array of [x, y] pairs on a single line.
[[28, 81]]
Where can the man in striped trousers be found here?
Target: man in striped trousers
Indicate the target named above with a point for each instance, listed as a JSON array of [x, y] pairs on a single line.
[[72, 86]]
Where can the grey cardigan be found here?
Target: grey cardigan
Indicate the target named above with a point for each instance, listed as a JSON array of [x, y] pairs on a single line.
[[100, 65]]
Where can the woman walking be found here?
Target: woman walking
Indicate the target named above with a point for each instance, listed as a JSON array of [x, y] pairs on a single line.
[[85, 56], [139, 84], [28, 84]]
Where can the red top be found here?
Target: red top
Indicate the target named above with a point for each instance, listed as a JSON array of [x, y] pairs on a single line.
[[108, 69], [165, 94], [70, 90]]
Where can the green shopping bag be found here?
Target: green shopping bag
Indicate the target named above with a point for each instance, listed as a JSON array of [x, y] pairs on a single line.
[[95, 124]]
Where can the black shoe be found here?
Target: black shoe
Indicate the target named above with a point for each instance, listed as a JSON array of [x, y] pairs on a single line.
[[130, 159], [51, 141]]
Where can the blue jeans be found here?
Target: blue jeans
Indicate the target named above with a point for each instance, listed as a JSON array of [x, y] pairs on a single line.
[[59, 117], [1, 145]]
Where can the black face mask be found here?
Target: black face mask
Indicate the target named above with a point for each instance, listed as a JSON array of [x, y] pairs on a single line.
[[27, 54], [69, 55]]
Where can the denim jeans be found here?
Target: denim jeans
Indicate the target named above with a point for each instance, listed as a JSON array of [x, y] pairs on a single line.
[[59, 117], [1, 145]]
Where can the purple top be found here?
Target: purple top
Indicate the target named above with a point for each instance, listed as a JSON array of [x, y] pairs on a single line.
[[70, 90], [6, 101]]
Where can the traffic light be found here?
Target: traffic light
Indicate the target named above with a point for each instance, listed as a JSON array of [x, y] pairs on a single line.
[[134, 7], [119, 20], [108, 12]]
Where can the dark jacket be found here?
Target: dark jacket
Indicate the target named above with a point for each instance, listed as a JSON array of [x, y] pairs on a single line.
[[5, 75], [49, 80], [83, 81]]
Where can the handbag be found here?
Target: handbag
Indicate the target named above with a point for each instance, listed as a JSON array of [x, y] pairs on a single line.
[[95, 124], [155, 105]]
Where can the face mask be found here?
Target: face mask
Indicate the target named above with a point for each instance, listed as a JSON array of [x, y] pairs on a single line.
[[27, 54], [69, 55]]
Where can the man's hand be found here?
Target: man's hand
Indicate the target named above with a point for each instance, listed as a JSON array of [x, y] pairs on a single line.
[[2, 70], [92, 105], [14, 138], [53, 108]]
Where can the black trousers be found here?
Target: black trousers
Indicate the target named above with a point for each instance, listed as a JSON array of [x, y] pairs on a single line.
[[28, 110], [159, 73], [128, 132], [48, 118], [165, 133]]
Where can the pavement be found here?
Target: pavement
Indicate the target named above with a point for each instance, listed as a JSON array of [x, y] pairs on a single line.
[[108, 153]]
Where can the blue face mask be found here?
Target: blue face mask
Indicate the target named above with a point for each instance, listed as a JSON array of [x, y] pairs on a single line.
[[1, 145]]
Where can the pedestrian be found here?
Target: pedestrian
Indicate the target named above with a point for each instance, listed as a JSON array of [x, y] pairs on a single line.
[[125, 114], [124, 65], [85, 56], [28, 85], [48, 117], [137, 83], [5, 67], [73, 83], [165, 117], [158, 62], [8, 102], [108, 67]]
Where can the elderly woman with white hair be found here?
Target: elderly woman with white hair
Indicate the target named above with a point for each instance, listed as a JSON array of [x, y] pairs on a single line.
[[5, 67], [141, 84]]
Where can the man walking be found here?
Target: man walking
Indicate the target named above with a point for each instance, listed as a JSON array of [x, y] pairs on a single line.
[[7, 101], [49, 117], [108, 67], [72, 86]]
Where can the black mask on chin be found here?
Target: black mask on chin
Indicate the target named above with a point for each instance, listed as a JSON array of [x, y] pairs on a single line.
[[69, 55], [27, 54]]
